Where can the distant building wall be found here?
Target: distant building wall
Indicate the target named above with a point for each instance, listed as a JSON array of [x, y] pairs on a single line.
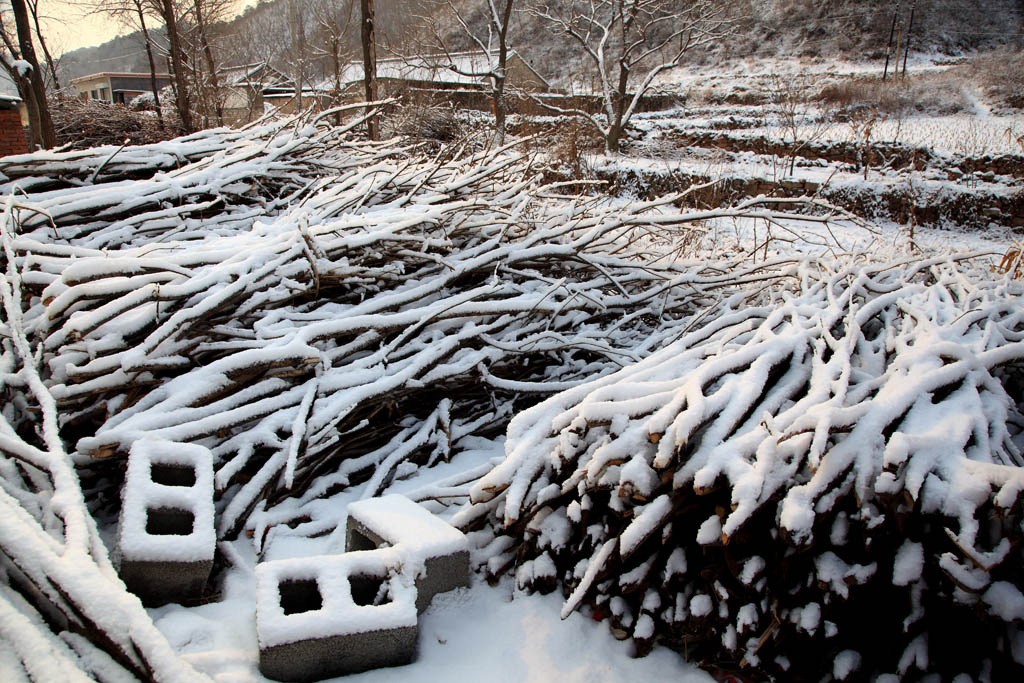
[[116, 88]]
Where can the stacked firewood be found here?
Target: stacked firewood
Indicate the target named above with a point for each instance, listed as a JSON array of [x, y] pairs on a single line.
[[318, 310], [80, 124], [325, 312], [823, 481]]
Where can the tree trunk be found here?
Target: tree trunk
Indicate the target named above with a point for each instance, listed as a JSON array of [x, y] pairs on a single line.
[[298, 29], [499, 81], [50, 63], [181, 84], [209, 64], [152, 65], [369, 65], [40, 121], [618, 110], [336, 63]]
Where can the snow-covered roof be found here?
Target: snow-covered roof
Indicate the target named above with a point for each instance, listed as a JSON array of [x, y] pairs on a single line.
[[455, 68], [117, 74], [242, 75]]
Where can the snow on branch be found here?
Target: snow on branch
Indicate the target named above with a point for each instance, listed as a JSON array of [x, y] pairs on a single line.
[[323, 312], [833, 469]]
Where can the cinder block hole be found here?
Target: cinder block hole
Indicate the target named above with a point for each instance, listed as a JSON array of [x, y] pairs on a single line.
[[360, 541], [169, 522], [369, 590], [172, 475], [300, 596]]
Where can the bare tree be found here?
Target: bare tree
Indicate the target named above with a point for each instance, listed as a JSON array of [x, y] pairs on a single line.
[[168, 13], [630, 42], [299, 54], [262, 42], [793, 105], [23, 67], [51, 63], [203, 13], [494, 47], [332, 26], [133, 13], [369, 62]]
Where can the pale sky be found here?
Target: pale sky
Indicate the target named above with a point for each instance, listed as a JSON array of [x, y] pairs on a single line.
[[70, 28]]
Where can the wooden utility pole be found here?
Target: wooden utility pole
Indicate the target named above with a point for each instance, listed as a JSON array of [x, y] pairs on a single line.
[[369, 64], [888, 48], [899, 42], [906, 48], [41, 125]]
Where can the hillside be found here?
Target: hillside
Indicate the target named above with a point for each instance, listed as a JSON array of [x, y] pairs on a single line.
[[828, 28]]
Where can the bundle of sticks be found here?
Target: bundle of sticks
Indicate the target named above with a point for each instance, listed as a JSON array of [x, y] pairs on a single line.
[[825, 480], [318, 310]]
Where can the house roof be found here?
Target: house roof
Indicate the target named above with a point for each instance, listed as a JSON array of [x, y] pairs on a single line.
[[242, 75], [455, 68], [117, 74]]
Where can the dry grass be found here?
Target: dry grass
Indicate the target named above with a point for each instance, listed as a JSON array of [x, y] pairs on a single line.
[[434, 123], [933, 93], [1001, 75]]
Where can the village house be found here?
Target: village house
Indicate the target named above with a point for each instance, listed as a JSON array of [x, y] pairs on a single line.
[[451, 71], [117, 88], [244, 87], [458, 77]]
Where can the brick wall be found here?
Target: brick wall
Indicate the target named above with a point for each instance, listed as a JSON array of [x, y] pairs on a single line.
[[12, 135]]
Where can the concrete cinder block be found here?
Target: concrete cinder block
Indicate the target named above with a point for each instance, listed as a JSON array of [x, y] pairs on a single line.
[[435, 552], [319, 617], [166, 536]]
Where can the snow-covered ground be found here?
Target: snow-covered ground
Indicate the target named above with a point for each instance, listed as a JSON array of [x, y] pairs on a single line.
[[488, 633]]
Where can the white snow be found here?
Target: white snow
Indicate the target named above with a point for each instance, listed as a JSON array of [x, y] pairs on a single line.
[[467, 631], [141, 494], [408, 527], [1005, 600], [645, 523], [339, 614], [808, 617], [701, 605], [845, 663], [463, 634], [710, 531], [908, 564], [751, 568], [644, 627]]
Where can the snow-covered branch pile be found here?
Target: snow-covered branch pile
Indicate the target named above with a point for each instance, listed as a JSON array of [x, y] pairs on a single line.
[[824, 480], [64, 614], [323, 312], [317, 310]]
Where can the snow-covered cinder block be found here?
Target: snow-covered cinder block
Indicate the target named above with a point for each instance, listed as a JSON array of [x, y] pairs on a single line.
[[166, 533], [435, 552], [319, 617]]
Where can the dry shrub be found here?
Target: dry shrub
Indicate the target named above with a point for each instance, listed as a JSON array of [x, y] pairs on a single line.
[[421, 120], [571, 143], [81, 124], [939, 94], [1001, 74]]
